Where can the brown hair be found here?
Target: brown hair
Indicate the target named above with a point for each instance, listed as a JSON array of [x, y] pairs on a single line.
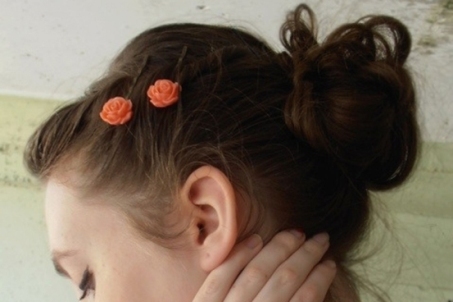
[[305, 133]]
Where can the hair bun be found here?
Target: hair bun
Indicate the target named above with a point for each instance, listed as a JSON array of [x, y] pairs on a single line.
[[353, 100]]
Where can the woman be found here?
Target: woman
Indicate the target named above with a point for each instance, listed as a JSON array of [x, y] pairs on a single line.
[[199, 136]]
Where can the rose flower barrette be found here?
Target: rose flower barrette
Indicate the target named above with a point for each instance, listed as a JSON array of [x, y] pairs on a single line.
[[118, 110], [164, 93]]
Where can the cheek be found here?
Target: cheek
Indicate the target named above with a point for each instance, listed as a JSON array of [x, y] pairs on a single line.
[[141, 283], [136, 273]]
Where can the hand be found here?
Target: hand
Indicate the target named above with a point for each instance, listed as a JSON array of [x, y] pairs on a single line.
[[286, 269]]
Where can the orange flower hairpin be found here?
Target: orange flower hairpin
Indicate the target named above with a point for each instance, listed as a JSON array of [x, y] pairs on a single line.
[[164, 93], [116, 111]]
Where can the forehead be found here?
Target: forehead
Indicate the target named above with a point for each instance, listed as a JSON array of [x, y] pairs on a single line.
[[75, 220], [64, 215]]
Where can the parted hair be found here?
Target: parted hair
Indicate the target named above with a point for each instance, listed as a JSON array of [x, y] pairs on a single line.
[[305, 133]]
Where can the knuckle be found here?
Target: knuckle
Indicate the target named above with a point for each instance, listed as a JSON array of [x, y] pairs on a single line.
[[255, 274], [286, 276], [287, 241], [313, 248], [212, 286], [310, 293]]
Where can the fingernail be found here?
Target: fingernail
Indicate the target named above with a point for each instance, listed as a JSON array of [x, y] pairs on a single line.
[[253, 241], [322, 238], [298, 233], [330, 263]]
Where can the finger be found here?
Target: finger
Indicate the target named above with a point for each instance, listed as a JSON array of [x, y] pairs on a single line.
[[315, 287], [258, 271], [290, 275], [219, 281]]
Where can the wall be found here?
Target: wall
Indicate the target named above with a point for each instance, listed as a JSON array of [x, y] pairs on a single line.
[[51, 49], [26, 273]]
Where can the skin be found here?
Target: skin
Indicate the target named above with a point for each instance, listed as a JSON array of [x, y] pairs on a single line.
[[91, 240]]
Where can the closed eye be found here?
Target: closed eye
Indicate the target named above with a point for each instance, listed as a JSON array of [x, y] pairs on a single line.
[[86, 284]]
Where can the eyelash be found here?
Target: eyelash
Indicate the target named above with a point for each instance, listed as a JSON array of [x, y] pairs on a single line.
[[86, 284]]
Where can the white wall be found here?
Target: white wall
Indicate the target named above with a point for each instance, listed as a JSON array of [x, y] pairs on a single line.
[[54, 48]]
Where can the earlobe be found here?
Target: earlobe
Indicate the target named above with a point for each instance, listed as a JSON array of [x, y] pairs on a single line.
[[211, 196]]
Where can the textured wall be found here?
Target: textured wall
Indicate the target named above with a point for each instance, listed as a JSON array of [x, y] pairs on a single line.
[[54, 48]]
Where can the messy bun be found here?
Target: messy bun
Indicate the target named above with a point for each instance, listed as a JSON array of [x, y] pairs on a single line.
[[353, 100]]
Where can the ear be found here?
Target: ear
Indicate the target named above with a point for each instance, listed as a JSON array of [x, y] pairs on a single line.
[[211, 199]]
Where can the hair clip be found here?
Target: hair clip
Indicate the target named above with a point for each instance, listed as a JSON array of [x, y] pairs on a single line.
[[116, 111], [164, 93]]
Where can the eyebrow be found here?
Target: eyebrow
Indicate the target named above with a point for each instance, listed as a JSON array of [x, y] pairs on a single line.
[[56, 258]]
